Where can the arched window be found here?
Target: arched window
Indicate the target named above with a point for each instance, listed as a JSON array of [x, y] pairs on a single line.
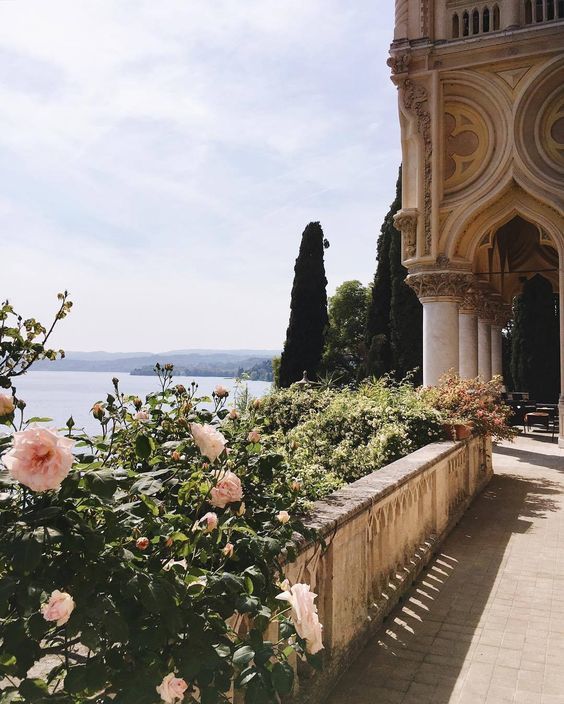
[[455, 26], [496, 17], [549, 9], [465, 25], [475, 22], [486, 20], [538, 11], [528, 12]]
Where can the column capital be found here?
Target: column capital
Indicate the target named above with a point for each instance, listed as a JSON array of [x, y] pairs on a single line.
[[440, 285], [471, 303]]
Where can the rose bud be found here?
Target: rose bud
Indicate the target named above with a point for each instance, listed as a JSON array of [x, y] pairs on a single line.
[[142, 543], [180, 389], [228, 550], [98, 411], [283, 517], [233, 414], [296, 485], [137, 402], [210, 521], [220, 391], [254, 436], [257, 403], [168, 542], [6, 405], [176, 455], [241, 510]]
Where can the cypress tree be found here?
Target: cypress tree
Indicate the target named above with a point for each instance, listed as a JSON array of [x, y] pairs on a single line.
[[394, 331], [308, 310], [535, 341], [406, 319]]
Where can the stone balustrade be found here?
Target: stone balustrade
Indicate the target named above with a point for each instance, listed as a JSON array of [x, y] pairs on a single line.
[[379, 532]]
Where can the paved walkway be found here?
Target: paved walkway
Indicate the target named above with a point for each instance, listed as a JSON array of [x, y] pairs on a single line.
[[485, 622]]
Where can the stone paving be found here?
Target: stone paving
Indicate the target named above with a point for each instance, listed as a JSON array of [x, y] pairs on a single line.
[[484, 624]]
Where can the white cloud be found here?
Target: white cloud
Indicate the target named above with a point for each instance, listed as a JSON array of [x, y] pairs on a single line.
[[162, 159]]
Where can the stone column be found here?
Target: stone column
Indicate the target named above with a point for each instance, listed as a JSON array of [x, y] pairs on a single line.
[[561, 404], [496, 350], [468, 337], [440, 294], [484, 349]]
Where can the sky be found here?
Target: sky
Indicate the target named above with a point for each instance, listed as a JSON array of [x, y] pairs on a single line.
[[160, 160]]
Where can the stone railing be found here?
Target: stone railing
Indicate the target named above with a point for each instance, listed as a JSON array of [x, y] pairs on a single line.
[[379, 533]]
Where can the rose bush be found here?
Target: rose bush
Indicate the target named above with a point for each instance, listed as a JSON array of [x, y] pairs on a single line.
[[145, 566]]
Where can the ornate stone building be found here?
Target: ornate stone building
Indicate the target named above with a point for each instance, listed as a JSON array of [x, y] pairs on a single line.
[[481, 103]]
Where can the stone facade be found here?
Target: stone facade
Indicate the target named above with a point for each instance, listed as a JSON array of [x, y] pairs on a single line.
[[481, 107]]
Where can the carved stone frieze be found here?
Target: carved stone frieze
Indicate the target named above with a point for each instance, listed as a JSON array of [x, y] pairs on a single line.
[[471, 301], [440, 284], [406, 222], [415, 101]]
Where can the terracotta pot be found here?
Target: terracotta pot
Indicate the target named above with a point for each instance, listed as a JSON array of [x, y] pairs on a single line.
[[458, 431]]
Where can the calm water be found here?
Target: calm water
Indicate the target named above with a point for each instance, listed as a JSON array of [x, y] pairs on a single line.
[[58, 395]]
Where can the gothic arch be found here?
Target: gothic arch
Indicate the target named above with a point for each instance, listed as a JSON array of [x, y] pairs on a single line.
[[464, 239]]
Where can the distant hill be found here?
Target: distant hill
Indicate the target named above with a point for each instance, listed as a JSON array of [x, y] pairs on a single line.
[[186, 362]]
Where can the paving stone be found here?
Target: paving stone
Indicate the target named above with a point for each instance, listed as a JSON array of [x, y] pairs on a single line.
[[485, 623]]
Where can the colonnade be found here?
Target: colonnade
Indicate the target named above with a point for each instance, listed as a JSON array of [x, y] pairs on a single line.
[[462, 323]]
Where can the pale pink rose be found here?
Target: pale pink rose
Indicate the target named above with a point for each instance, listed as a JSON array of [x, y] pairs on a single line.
[[228, 490], [285, 585], [172, 689], [6, 405], [221, 392], [142, 543], [171, 563], [283, 517], [59, 607], [210, 521], [40, 458], [209, 440], [254, 436], [228, 550], [304, 615], [233, 414], [142, 416]]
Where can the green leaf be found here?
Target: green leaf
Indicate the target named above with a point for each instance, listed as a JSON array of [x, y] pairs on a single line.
[[75, 681], [33, 689], [150, 504], [143, 446], [7, 588], [37, 626], [282, 677], [116, 628], [38, 419], [102, 483], [27, 555], [243, 656]]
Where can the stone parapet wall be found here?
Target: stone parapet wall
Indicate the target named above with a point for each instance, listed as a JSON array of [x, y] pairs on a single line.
[[379, 533]]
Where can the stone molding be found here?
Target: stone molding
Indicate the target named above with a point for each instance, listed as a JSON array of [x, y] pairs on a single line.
[[406, 222], [399, 63], [470, 304], [415, 100], [439, 285]]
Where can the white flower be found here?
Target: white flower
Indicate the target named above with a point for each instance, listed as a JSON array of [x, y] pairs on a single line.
[[304, 615]]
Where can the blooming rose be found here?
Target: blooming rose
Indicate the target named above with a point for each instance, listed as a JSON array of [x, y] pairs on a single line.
[[172, 689], [254, 436], [228, 490], [283, 517], [228, 550], [142, 543], [221, 391], [210, 519], [142, 416], [59, 607], [6, 405], [233, 414], [40, 458], [304, 615], [209, 440]]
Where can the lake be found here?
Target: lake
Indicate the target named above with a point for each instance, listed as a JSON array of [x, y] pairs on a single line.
[[59, 395]]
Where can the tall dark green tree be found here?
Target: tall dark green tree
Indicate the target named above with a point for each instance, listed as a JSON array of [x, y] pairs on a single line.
[[394, 330], [308, 310], [535, 341]]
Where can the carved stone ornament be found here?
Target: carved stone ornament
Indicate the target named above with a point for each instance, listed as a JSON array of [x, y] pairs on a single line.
[[399, 63], [406, 222], [471, 302], [415, 101], [441, 284]]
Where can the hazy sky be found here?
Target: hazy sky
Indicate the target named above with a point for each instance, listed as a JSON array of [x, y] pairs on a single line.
[[161, 160]]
